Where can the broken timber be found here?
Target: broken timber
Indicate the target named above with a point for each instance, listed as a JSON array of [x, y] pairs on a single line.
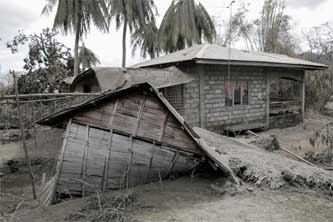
[[126, 138]]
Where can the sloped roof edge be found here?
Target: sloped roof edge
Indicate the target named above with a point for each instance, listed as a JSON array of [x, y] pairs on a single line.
[[111, 78], [215, 54]]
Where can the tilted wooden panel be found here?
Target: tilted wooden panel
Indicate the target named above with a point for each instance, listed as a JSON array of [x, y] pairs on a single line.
[[131, 161], [143, 116]]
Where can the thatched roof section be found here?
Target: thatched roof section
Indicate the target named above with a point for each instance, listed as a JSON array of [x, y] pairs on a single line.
[[110, 78], [216, 54]]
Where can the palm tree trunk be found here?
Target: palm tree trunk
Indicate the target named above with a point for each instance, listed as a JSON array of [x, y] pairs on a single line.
[[124, 42], [77, 39]]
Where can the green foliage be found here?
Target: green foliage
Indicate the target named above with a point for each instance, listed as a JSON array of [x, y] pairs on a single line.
[[48, 61], [146, 38], [324, 137], [184, 24], [87, 58], [71, 11], [319, 40], [318, 85], [270, 32], [76, 16], [135, 14]]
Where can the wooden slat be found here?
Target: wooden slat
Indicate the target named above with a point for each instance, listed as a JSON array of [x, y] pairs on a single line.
[[84, 160], [163, 126], [60, 161], [107, 162], [130, 160], [172, 164], [113, 114], [150, 162], [139, 116]]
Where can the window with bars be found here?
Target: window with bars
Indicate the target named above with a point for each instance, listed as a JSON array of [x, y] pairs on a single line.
[[175, 96], [236, 92]]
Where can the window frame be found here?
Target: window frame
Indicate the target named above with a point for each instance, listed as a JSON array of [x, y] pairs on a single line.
[[233, 84], [177, 105]]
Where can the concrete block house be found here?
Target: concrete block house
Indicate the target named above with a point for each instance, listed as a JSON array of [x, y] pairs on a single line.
[[225, 90]]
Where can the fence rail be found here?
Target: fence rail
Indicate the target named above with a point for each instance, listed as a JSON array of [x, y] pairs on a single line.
[[37, 106], [282, 106]]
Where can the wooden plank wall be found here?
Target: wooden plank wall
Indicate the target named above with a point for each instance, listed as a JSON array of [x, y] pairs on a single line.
[[106, 160], [141, 116]]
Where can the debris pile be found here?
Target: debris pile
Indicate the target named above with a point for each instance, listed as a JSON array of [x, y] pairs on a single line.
[[265, 169], [268, 142], [324, 158], [13, 136], [107, 208]]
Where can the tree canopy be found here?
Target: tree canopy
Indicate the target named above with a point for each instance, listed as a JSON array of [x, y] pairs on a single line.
[[76, 16], [185, 23], [47, 62], [135, 14]]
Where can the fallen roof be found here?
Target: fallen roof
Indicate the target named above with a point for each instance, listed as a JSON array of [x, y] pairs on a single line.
[[115, 78], [215, 54]]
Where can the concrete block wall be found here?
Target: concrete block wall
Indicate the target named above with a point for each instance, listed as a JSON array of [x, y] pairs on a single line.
[[217, 115], [192, 103]]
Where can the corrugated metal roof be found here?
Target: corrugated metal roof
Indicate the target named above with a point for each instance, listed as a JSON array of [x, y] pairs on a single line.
[[215, 54], [117, 78]]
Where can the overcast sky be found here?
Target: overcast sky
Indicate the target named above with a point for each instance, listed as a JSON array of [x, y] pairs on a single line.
[[26, 15]]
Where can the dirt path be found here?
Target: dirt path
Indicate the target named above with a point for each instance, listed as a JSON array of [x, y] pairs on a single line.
[[189, 200]]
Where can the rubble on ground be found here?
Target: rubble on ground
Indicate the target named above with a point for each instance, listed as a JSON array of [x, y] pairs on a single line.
[[267, 142], [267, 169], [324, 158], [13, 136]]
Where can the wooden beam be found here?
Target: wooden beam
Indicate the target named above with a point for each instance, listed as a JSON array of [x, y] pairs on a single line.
[[130, 162], [172, 163], [142, 106], [107, 162], [108, 155], [150, 162], [303, 96], [84, 160], [48, 95], [165, 121], [268, 89], [25, 149], [113, 113], [60, 162]]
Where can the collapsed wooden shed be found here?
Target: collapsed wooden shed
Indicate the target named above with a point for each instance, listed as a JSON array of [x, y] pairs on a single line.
[[124, 138]]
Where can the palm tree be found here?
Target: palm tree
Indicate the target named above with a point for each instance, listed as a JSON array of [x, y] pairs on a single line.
[[146, 38], [131, 13], [87, 58], [185, 22], [76, 16]]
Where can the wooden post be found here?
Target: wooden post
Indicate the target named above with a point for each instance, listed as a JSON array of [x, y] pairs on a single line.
[[23, 139], [268, 89], [84, 161], [303, 96], [35, 129]]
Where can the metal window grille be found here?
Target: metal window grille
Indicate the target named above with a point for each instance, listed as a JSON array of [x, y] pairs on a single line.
[[175, 96], [236, 92]]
